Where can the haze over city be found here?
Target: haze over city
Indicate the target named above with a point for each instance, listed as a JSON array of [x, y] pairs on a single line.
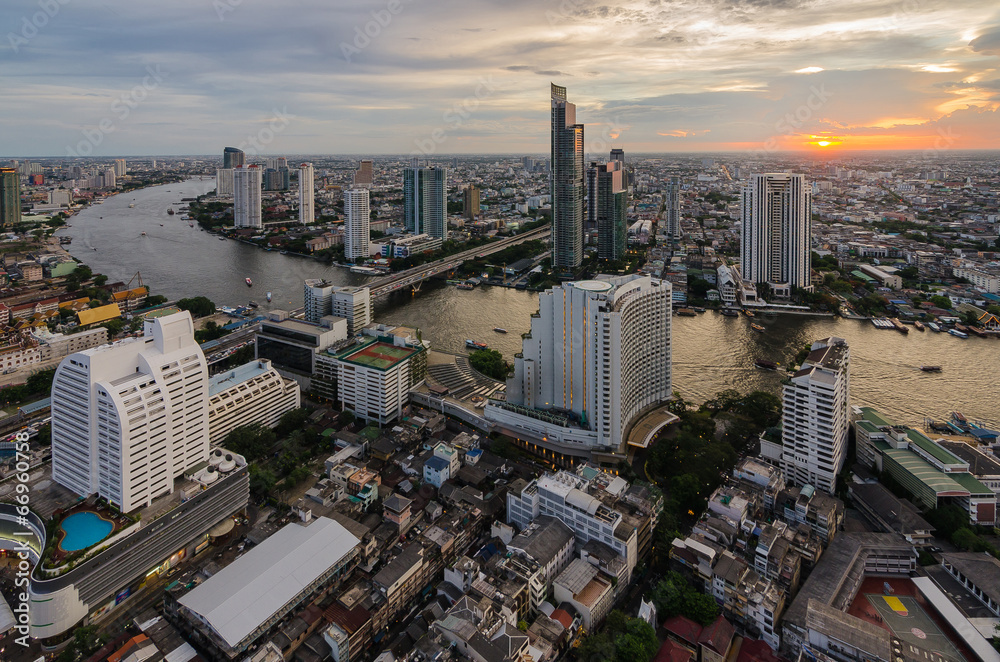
[[382, 77]]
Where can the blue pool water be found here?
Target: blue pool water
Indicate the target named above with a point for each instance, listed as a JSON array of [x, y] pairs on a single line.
[[83, 530]]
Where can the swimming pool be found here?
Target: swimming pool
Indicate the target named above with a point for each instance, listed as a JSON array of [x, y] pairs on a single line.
[[83, 530]]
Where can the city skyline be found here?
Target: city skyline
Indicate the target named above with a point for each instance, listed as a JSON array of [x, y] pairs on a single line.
[[715, 77]]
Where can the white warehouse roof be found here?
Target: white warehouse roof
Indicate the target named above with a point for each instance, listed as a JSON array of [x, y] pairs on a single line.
[[247, 592]]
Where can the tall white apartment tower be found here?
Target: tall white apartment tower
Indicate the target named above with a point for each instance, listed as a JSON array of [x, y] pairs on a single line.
[[306, 194], [597, 355], [777, 227], [130, 417], [246, 197], [672, 208], [815, 416], [357, 224], [120, 168], [224, 182]]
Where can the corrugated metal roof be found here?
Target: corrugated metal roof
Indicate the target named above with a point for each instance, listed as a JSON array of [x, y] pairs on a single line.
[[247, 592]]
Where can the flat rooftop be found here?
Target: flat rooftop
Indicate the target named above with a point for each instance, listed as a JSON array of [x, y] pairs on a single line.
[[378, 355], [247, 592], [237, 375], [980, 463]]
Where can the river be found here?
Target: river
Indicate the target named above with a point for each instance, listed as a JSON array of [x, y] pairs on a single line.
[[710, 352]]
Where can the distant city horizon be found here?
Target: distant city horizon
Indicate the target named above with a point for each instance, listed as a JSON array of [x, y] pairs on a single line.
[[811, 154]]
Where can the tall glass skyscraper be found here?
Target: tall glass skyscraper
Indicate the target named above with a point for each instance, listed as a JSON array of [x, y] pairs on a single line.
[[10, 197], [566, 183], [233, 157], [612, 204], [425, 201]]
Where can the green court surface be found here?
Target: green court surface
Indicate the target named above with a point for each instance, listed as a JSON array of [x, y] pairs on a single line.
[[911, 624]]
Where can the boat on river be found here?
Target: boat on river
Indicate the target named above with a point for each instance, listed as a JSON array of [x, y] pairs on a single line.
[[931, 368], [248, 281], [934, 327], [954, 332], [764, 364], [757, 327], [472, 344], [918, 325], [268, 297]]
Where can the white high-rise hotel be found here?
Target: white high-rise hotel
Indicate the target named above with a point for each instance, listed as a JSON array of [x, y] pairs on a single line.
[[357, 224], [598, 354], [777, 227], [816, 416], [246, 197], [130, 417], [306, 194]]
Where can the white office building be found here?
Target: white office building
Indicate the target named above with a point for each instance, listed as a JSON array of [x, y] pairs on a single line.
[[251, 393], [224, 182], [776, 231], [306, 194], [246, 197], [323, 298], [565, 496], [130, 417], [816, 416], [356, 225], [597, 355], [373, 379]]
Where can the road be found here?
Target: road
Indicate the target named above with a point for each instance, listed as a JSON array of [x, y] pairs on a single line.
[[387, 284]]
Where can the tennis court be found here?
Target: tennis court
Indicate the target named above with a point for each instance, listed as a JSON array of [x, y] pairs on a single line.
[[911, 625], [380, 355]]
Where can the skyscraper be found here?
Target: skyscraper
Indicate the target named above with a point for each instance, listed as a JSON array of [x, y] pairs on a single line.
[[597, 355], [109, 179], [617, 154], [777, 227], [364, 175], [591, 218], [672, 208], [425, 201], [815, 416], [306, 197], [612, 204], [10, 197], [224, 182], [567, 185], [120, 169], [232, 157], [356, 225], [470, 201], [246, 197], [129, 417]]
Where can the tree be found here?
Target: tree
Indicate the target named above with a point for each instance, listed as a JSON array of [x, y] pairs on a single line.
[[82, 273], [44, 435], [292, 419], [347, 417], [100, 280], [197, 306], [700, 608], [941, 301], [251, 441], [155, 300], [970, 318], [490, 362]]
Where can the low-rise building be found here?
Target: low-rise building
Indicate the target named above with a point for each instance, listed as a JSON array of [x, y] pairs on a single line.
[[588, 590], [373, 379]]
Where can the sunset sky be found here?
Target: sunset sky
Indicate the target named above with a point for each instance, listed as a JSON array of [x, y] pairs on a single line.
[[461, 76]]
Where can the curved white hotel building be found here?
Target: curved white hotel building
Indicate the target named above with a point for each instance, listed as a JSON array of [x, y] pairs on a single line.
[[597, 355]]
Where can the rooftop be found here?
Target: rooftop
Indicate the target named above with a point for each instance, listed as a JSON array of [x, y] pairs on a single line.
[[980, 464], [543, 538], [237, 375], [378, 355], [246, 593]]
